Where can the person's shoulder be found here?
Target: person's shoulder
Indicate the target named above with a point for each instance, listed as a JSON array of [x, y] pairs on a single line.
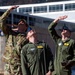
[[72, 41], [41, 42], [25, 46]]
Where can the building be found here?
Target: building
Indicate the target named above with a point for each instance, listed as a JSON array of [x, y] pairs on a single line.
[[48, 10], [43, 13], [39, 16]]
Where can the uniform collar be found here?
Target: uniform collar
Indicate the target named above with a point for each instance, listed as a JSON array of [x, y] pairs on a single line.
[[67, 40]]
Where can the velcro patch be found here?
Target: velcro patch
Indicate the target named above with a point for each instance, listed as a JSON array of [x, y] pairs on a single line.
[[39, 46], [66, 44]]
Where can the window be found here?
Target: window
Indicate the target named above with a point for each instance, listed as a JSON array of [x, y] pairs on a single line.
[[1, 13], [31, 21], [54, 8], [25, 10], [47, 21], [8, 21], [70, 6], [40, 9], [15, 10], [17, 17]]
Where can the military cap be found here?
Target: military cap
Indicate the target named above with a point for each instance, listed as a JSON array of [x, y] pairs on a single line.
[[23, 21], [66, 28], [29, 29]]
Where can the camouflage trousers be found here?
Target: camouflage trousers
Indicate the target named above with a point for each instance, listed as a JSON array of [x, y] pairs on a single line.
[[8, 70]]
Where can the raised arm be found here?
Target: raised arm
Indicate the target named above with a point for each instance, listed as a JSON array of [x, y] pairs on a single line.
[[5, 15], [51, 27]]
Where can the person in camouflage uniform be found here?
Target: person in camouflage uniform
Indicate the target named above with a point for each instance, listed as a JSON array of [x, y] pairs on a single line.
[[65, 48], [15, 39], [36, 56]]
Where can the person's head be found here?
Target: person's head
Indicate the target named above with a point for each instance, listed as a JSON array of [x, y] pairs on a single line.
[[30, 33], [22, 25], [65, 31]]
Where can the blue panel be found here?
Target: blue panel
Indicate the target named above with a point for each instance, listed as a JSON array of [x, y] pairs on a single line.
[[73, 70]]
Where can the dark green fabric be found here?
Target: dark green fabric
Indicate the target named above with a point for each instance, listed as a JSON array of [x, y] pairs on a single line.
[[35, 57], [64, 53]]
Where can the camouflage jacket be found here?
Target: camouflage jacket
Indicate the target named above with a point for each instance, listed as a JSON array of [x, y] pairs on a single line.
[[14, 43], [12, 53]]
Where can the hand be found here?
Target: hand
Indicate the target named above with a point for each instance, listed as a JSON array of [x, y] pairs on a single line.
[[49, 73], [62, 17], [13, 7]]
